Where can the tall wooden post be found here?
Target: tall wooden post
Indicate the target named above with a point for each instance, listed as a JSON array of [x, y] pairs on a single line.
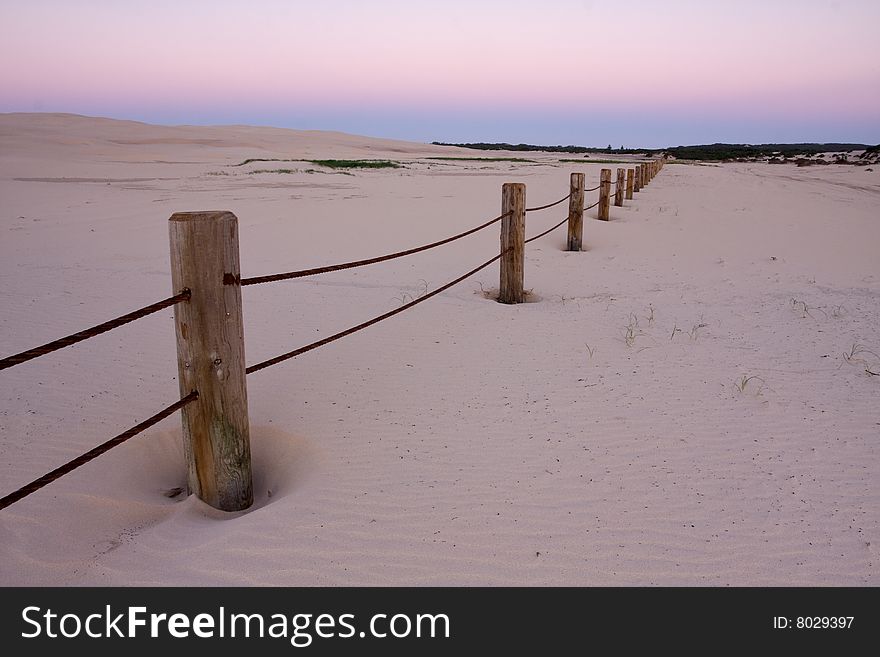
[[644, 168], [637, 182], [604, 194], [210, 357], [576, 213], [618, 191], [630, 179], [513, 234]]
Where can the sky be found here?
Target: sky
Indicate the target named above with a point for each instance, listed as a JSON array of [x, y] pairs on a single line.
[[632, 73]]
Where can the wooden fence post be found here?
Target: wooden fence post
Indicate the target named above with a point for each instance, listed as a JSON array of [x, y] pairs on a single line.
[[604, 194], [630, 179], [513, 234], [644, 168], [637, 181], [210, 357], [618, 191], [576, 213]]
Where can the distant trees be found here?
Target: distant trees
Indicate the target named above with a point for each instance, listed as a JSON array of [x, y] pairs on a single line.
[[737, 151], [699, 152]]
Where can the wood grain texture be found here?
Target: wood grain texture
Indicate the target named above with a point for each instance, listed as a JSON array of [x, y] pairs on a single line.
[[637, 180], [619, 189], [605, 194], [576, 213], [630, 180], [210, 357], [513, 233]]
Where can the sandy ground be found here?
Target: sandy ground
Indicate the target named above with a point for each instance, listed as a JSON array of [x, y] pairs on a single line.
[[673, 407]]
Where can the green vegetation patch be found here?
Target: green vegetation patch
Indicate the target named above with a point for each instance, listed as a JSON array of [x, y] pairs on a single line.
[[332, 164], [484, 159], [592, 161], [357, 164]]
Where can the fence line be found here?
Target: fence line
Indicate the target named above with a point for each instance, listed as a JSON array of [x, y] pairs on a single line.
[[514, 197], [354, 329], [55, 345], [256, 280]]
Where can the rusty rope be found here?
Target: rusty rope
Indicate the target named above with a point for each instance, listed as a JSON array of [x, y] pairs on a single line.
[[375, 320], [48, 348], [550, 205], [255, 280], [59, 472], [549, 230]]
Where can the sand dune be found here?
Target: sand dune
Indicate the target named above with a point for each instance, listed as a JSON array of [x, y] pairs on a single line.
[[673, 407]]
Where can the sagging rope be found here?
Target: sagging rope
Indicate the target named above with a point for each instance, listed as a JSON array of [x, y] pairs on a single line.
[[375, 320], [546, 232], [46, 479], [549, 205], [354, 329], [256, 280], [48, 348]]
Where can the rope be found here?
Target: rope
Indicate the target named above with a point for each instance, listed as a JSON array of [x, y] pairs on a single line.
[[549, 205], [375, 320], [593, 189], [59, 472], [549, 230], [48, 348], [256, 280], [592, 206]]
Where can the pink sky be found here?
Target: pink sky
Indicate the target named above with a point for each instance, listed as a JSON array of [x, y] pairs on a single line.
[[774, 63]]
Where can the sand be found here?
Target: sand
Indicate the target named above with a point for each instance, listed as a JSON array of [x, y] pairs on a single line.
[[672, 407]]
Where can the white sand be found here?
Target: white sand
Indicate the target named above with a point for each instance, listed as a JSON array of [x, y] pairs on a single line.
[[463, 442]]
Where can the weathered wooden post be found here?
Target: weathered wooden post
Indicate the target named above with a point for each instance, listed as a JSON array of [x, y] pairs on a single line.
[[644, 168], [210, 357], [604, 194], [618, 191], [513, 234], [630, 179], [637, 182], [576, 213]]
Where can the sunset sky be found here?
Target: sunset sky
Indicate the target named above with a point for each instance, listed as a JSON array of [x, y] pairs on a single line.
[[587, 72]]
